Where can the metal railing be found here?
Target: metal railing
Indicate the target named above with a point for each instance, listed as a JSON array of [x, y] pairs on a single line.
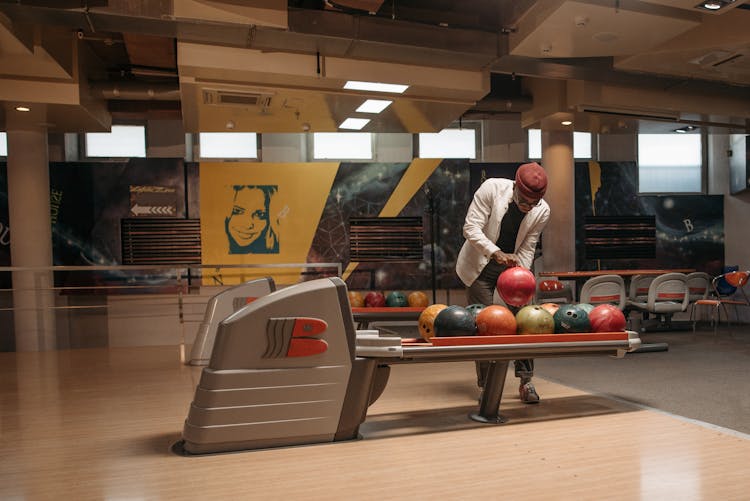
[[162, 281]]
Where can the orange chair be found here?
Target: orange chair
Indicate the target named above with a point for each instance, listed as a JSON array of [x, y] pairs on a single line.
[[731, 294]]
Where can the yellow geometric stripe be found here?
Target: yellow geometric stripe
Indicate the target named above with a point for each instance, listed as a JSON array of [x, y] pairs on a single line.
[[595, 177], [415, 176], [412, 180]]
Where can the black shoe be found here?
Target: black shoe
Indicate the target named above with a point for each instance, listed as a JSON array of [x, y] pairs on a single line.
[[528, 393]]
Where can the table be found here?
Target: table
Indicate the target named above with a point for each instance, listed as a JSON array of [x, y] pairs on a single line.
[[364, 315]]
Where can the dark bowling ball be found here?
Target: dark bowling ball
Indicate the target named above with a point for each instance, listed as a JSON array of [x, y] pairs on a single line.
[[454, 321], [396, 299], [374, 300], [571, 318]]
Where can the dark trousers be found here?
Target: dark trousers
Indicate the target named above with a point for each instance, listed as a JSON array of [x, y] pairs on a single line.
[[481, 292]]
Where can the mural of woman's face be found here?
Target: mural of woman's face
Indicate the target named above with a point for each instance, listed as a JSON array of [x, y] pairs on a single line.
[[249, 216]]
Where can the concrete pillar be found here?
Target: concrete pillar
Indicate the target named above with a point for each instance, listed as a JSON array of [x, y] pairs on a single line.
[[30, 230], [558, 238]]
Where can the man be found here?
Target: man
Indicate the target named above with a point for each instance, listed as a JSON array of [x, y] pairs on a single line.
[[502, 228]]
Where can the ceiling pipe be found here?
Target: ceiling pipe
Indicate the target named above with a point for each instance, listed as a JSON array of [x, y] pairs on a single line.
[[135, 91]]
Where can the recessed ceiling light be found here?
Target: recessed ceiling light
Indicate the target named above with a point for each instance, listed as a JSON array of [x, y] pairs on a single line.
[[354, 123], [375, 86], [566, 122], [687, 128], [23, 108], [374, 106], [714, 5]]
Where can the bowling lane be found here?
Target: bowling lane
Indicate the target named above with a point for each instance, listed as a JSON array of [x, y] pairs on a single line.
[[98, 423]]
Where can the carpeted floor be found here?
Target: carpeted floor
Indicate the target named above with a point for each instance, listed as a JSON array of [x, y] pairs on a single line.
[[702, 376]]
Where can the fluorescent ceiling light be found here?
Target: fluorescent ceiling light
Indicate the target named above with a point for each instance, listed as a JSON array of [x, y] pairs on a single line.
[[374, 106], [375, 87], [354, 123]]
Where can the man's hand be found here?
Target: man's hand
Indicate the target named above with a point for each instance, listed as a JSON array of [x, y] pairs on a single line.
[[505, 259]]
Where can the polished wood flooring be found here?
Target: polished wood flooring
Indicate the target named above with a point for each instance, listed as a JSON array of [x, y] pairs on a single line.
[[99, 424]]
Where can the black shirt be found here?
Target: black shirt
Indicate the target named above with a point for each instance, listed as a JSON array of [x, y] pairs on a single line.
[[509, 229]]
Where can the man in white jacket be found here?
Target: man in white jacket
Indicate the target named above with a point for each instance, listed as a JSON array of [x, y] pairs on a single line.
[[502, 228]]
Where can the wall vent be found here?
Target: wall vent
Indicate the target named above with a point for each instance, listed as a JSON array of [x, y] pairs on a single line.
[[235, 98]]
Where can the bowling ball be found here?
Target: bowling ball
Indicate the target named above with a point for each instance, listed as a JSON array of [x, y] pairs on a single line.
[[355, 299], [550, 307], [586, 307], [607, 318], [454, 321], [396, 299], [516, 286], [495, 320], [475, 308], [427, 319], [570, 318], [417, 299], [374, 299], [533, 319]]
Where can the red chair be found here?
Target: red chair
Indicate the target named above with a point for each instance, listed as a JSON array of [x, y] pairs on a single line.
[[551, 290]]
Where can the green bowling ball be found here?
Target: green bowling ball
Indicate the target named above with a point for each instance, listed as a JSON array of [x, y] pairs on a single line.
[[396, 299], [571, 318]]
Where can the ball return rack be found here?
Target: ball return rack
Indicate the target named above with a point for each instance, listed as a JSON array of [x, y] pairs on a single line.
[[290, 369]]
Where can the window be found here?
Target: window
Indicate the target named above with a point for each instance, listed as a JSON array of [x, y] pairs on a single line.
[[448, 143], [124, 141], [342, 146], [3, 144], [581, 144], [669, 163], [228, 145]]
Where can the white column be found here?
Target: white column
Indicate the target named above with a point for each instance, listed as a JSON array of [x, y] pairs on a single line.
[[558, 238], [30, 232]]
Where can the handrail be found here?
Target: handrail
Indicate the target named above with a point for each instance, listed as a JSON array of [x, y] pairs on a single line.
[[177, 275], [131, 267]]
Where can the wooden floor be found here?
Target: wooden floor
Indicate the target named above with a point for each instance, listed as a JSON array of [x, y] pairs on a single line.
[[99, 424]]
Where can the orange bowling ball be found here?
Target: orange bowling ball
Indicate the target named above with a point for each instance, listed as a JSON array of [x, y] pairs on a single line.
[[355, 299], [550, 307], [417, 299], [427, 320], [496, 320]]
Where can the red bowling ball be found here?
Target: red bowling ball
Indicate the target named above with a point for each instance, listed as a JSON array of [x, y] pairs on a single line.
[[374, 300], [516, 286], [607, 318]]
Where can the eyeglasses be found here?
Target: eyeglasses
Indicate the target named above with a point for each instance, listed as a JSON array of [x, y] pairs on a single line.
[[520, 201]]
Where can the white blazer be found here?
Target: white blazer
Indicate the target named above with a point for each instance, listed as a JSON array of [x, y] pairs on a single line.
[[482, 229]]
